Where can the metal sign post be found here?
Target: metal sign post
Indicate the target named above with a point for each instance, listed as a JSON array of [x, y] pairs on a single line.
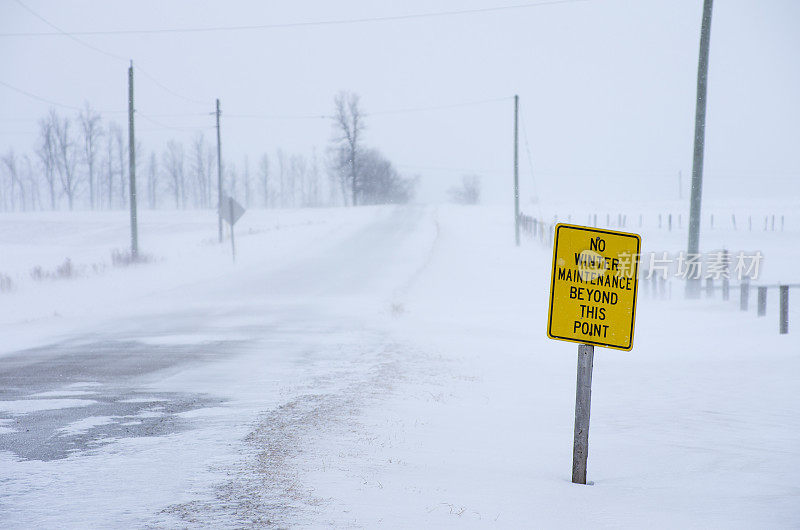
[[592, 302], [231, 211], [583, 404], [232, 221]]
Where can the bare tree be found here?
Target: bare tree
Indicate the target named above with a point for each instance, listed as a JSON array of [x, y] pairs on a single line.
[[264, 174], [67, 158], [313, 180], [90, 126], [173, 162], [122, 151], [211, 159], [232, 179], [468, 192], [282, 177], [380, 181], [348, 125], [113, 133], [200, 171], [10, 163], [46, 151], [152, 181], [33, 184], [246, 181], [297, 169]]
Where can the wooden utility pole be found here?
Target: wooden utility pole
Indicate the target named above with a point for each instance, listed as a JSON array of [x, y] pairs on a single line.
[[516, 168], [693, 284], [232, 221], [583, 403], [219, 177], [132, 169]]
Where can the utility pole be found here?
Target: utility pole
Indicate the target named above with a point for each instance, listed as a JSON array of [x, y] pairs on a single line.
[[232, 221], [219, 177], [132, 169], [353, 166], [516, 168], [693, 284]]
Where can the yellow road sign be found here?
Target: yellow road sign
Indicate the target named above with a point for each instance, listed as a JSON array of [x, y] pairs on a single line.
[[593, 286]]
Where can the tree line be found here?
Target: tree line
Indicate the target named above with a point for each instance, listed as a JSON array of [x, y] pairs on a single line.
[[81, 161]]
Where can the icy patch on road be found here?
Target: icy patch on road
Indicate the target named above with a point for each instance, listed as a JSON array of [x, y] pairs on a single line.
[[148, 414], [62, 394], [172, 340], [143, 400], [84, 384], [83, 425], [25, 406], [4, 429]]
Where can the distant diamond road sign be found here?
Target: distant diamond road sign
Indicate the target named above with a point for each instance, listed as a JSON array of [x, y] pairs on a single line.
[[231, 210]]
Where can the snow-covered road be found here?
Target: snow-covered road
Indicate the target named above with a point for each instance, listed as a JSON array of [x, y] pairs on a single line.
[[380, 366], [208, 357]]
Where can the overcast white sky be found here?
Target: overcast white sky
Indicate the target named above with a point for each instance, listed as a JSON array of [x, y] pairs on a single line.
[[607, 86]]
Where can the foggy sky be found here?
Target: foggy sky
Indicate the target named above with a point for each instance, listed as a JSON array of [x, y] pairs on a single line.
[[606, 87]]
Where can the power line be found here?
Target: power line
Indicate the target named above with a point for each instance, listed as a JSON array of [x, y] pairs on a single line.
[[318, 23], [163, 126], [166, 88], [387, 112], [107, 53], [437, 107], [38, 98], [179, 115], [4, 133], [51, 102], [453, 169], [536, 190], [66, 34], [282, 116]]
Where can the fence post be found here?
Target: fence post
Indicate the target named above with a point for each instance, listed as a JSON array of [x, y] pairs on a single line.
[[709, 287], [784, 323], [762, 300], [744, 294]]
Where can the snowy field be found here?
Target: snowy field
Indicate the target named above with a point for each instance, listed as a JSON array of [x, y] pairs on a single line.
[[378, 366]]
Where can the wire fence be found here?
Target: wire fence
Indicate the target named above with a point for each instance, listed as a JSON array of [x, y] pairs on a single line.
[[658, 285]]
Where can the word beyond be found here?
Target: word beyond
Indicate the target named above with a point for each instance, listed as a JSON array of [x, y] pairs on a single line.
[[593, 286]]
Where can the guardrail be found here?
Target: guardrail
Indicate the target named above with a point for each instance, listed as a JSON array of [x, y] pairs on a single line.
[[656, 286]]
